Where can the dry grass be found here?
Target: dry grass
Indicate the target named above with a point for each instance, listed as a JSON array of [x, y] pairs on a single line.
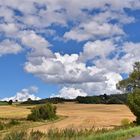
[[14, 112], [88, 115], [78, 115]]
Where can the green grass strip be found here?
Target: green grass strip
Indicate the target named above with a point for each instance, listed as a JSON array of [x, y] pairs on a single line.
[[122, 134]]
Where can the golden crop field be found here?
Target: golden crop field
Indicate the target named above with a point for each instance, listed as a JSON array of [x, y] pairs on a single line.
[[88, 115], [77, 115], [14, 112]]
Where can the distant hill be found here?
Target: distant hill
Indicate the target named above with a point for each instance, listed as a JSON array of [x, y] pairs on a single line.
[[101, 99]]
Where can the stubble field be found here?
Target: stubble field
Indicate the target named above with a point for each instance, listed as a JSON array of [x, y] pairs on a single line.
[[75, 115]]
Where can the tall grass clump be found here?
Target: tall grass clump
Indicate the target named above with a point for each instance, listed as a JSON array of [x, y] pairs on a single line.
[[9, 124], [36, 135], [53, 134], [75, 134], [24, 135], [2, 125], [16, 135], [43, 112], [13, 122]]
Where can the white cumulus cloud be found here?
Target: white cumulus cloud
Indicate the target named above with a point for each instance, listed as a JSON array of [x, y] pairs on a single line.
[[98, 25], [64, 69], [9, 47], [24, 95], [70, 93]]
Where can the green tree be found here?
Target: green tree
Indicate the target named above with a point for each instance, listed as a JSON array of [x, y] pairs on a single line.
[[134, 104], [10, 102], [133, 81], [132, 85]]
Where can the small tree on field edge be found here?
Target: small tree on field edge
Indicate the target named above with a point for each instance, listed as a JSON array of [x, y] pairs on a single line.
[[10, 102]]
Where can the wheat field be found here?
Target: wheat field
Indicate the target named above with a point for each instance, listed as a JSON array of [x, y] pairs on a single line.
[[76, 115], [89, 115], [14, 112]]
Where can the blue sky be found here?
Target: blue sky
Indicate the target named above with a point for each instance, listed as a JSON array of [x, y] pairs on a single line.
[[66, 48], [14, 78]]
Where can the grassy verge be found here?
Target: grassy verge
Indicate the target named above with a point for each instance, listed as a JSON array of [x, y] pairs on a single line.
[[122, 134], [23, 124], [73, 134]]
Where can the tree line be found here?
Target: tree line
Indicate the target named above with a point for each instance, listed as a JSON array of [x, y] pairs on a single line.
[[101, 99]]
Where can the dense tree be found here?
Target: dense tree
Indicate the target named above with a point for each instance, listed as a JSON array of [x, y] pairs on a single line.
[[103, 99], [10, 102], [16, 100], [134, 104], [132, 84], [29, 99], [133, 81]]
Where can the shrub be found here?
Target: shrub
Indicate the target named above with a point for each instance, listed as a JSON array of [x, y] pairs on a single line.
[[125, 122], [1, 126], [14, 122], [134, 104], [42, 112], [8, 124]]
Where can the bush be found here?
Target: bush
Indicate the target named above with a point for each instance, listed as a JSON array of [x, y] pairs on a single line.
[[125, 122], [1, 126], [14, 122], [134, 104], [42, 112]]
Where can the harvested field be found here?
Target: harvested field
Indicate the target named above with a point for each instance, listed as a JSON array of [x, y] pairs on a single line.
[[14, 112], [76, 115], [88, 115]]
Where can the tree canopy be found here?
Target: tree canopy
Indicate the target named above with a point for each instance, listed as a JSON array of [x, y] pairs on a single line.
[[133, 81]]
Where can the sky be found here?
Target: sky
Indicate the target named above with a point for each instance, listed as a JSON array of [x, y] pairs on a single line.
[[66, 48]]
